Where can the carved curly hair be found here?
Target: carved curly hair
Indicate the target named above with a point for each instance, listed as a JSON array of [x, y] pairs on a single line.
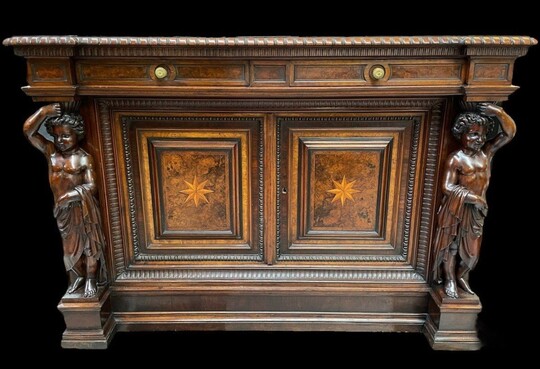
[[74, 121], [465, 121]]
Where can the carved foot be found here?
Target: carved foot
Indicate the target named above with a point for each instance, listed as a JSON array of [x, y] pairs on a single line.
[[450, 289], [77, 283], [90, 290], [465, 285]]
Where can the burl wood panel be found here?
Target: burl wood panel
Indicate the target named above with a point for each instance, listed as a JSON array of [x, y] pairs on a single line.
[[211, 73], [319, 74], [423, 71], [344, 188], [48, 72], [44, 71], [196, 191], [485, 74], [110, 73], [269, 74], [491, 71]]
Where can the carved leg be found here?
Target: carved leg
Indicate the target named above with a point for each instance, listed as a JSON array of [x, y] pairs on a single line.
[[90, 289], [77, 277], [463, 277], [449, 267]]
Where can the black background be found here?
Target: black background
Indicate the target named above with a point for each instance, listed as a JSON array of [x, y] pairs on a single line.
[[33, 271]]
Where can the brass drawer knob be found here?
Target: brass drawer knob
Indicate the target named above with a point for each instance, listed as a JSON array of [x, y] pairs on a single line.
[[378, 72], [161, 72]]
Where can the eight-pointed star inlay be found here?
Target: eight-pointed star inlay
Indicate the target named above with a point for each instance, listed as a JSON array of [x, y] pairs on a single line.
[[196, 191], [343, 191]]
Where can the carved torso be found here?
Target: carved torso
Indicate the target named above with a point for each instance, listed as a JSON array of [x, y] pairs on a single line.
[[67, 171], [473, 171]]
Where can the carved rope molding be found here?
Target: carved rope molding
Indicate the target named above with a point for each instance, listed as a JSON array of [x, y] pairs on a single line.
[[269, 41], [271, 46]]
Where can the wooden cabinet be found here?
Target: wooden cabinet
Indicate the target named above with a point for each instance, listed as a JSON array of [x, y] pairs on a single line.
[[270, 183]]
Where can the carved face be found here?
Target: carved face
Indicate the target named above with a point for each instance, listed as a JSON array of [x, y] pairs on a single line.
[[65, 138], [474, 138]]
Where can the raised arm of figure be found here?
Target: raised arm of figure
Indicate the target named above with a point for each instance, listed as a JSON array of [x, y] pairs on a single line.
[[32, 124]]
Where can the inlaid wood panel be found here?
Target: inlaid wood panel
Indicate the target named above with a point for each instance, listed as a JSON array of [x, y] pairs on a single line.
[[315, 73], [491, 71], [269, 73], [55, 72], [343, 182], [109, 73], [193, 182], [337, 203], [448, 72]]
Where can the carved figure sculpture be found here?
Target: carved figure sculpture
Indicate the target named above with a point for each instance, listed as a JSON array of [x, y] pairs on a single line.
[[72, 181], [465, 181]]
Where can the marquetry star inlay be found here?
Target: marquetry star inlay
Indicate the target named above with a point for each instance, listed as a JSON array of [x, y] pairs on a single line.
[[343, 191], [196, 191]]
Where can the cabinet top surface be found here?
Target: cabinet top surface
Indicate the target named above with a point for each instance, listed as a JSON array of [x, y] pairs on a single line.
[[271, 41]]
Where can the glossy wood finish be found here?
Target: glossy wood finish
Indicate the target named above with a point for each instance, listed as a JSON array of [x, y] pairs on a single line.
[[272, 183]]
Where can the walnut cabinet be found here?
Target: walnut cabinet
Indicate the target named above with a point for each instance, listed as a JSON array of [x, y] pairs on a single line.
[[270, 183]]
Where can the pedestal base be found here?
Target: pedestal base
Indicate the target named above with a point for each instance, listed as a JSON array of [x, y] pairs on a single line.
[[451, 323], [89, 322]]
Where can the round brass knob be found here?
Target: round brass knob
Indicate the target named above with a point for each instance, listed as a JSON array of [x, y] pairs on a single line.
[[378, 72], [161, 72]]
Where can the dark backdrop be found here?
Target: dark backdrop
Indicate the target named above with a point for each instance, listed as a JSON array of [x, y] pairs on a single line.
[[33, 273]]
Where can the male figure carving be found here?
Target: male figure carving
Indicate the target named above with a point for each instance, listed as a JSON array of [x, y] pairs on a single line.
[[465, 181], [72, 180]]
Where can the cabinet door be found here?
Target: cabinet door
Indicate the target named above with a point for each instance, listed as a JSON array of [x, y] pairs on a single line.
[[347, 184], [191, 185]]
